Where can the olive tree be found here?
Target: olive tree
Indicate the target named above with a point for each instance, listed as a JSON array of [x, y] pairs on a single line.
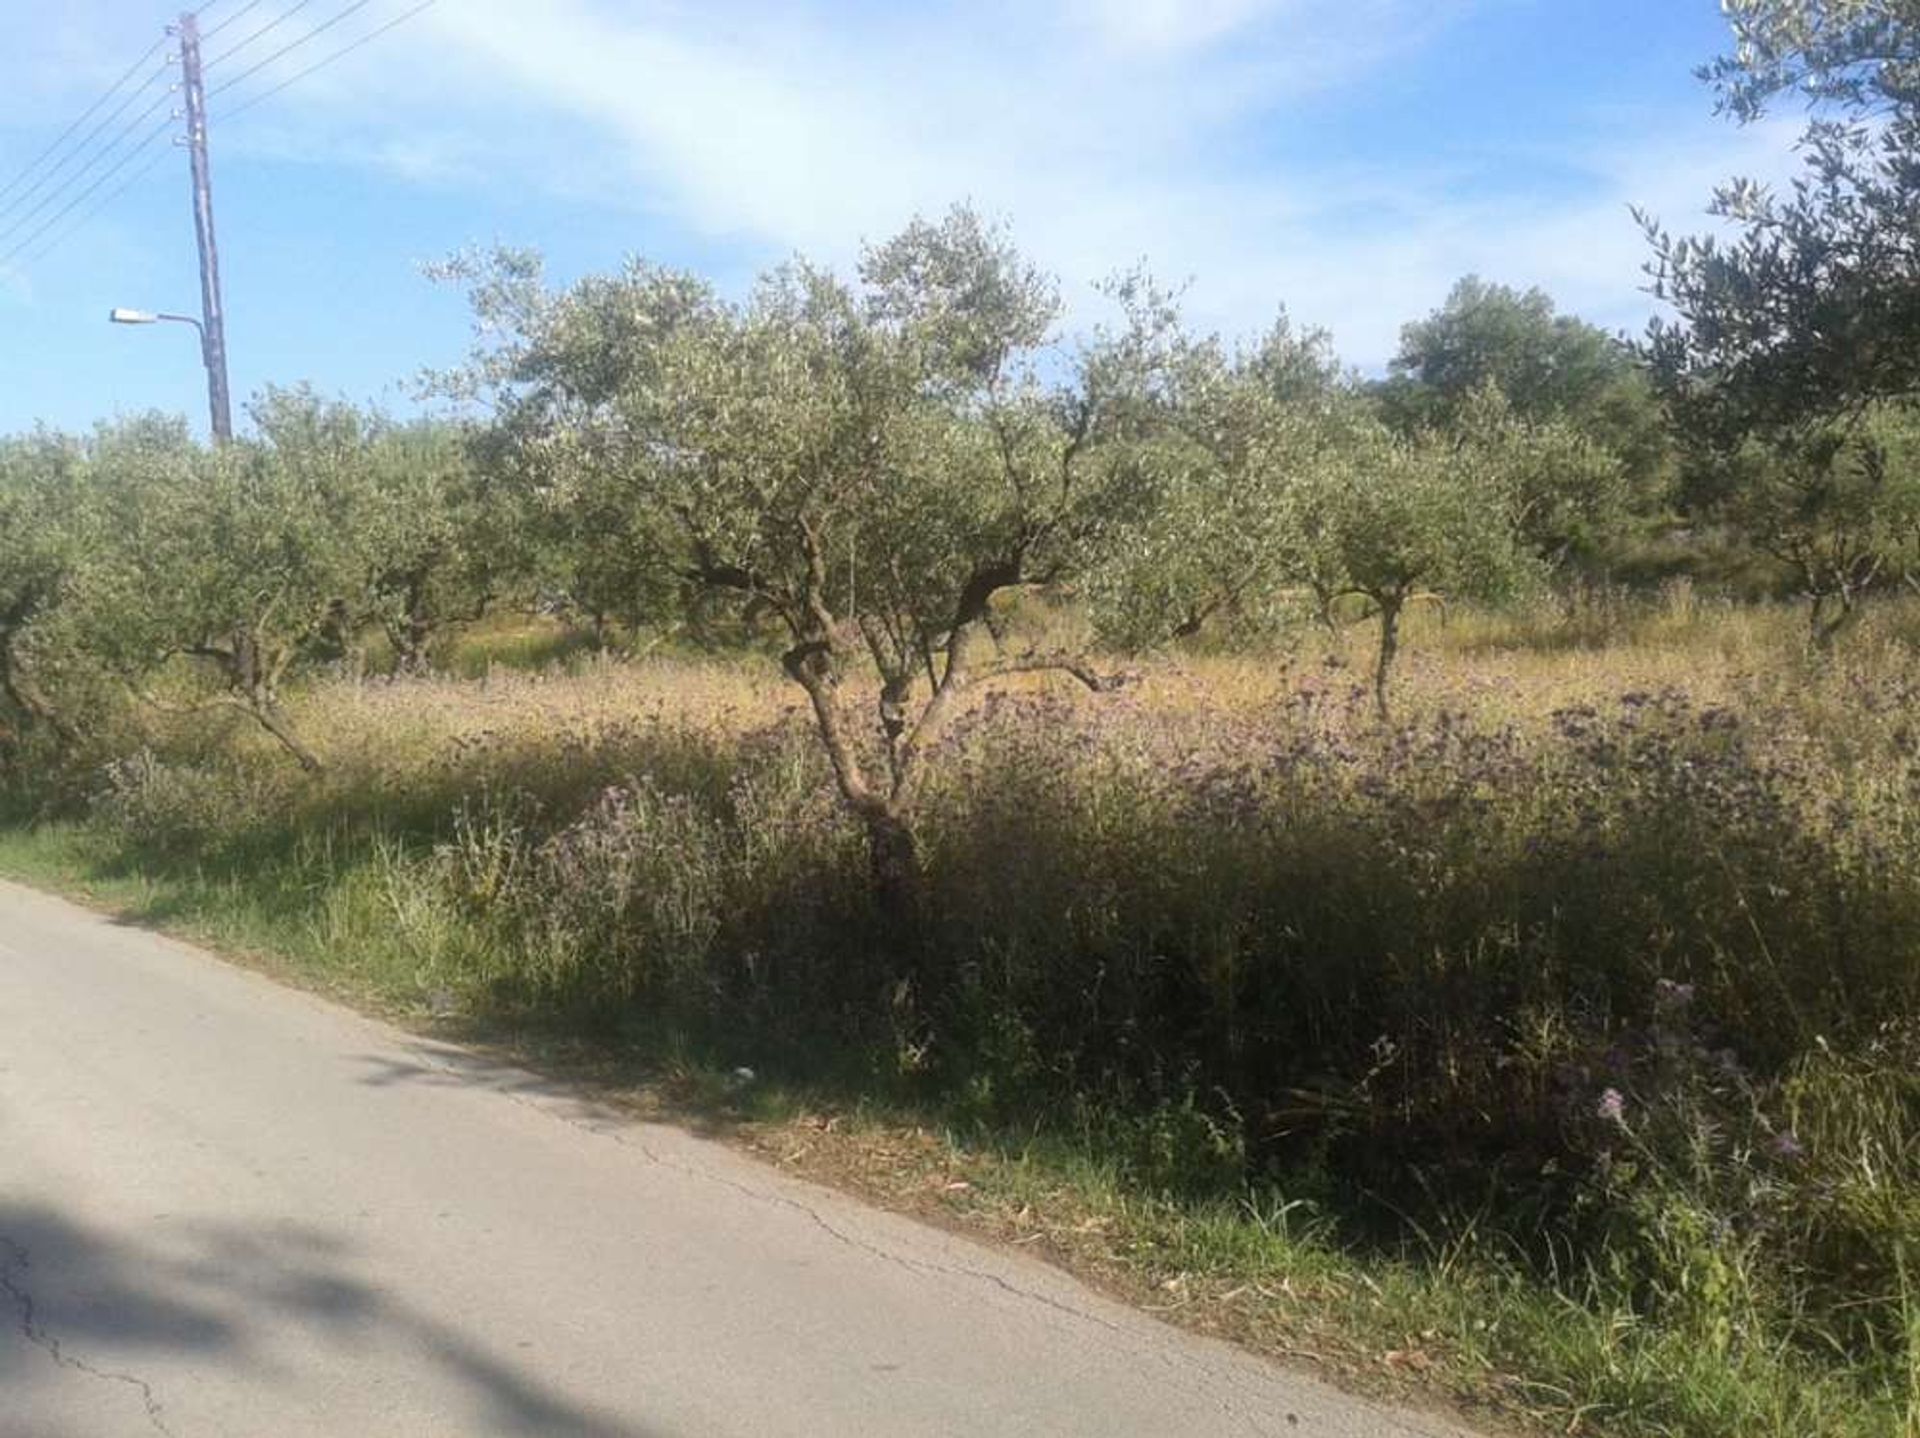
[[1225, 533], [1810, 311], [868, 463], [1268, 479], [43, 535], [437, 545], [421, 542], [1554, 370], [567, 481], [223, 569], [1839, 507], [1400, 518], [1567, 494], [1794, 348]]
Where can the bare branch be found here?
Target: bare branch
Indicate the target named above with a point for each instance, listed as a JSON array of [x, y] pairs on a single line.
[[1071, 665]]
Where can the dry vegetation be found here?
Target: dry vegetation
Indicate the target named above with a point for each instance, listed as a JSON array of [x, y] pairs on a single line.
[[1534, 1014], [1553, 1043]]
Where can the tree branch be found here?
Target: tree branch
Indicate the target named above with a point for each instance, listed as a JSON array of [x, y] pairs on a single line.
[[1071, 665]]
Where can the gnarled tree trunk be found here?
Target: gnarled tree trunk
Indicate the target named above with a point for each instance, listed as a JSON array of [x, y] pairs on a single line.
[[1390, 607], [26, 696], [893, 857]]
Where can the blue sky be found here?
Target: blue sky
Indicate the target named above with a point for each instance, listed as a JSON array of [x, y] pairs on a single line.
[[1346, 158]]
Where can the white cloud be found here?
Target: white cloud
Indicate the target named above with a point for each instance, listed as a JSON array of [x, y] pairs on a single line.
[[814, 137], [813, 134], [1162, 25], [1106, 130], [1364, 280]]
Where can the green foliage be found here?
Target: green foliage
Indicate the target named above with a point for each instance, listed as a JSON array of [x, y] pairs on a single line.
[[136, 562], [1839, 507], [1546, 363], [44, 533], [1552, 369], [420, 542], [1402, 519], [225, 567], [437, 545], [1862, 56], [1266, 481], [1793, 362], [1403, 516], [1225, 531], [1278, 950], [1812, 310], [570, 471], [865, 463], [1570, 497]]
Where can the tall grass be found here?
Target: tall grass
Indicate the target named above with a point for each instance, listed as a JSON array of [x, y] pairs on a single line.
[[1589, 986]]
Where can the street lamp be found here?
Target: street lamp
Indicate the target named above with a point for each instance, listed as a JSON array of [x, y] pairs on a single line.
[[222, 422]]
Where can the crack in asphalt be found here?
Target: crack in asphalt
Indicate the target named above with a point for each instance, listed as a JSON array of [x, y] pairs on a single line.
[[915, 1265], [14, 1262], [623, 1133]]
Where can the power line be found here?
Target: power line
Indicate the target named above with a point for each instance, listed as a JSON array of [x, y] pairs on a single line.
[[87, 193], [341, 53], [209, 34], [81, 220], [85, 115], [317, 30], [80, 145], [266, 29], [48, 235], [108, 148]]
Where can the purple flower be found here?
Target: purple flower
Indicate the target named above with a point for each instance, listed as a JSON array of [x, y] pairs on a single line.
[[1786, 1146], [1612, 1107]]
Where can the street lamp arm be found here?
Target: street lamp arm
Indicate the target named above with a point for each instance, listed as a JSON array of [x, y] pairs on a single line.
[[122, 316]]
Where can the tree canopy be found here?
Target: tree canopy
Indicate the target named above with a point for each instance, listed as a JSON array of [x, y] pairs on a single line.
[[44, 535], [1811, 308], [867, 463], [1551, 368]]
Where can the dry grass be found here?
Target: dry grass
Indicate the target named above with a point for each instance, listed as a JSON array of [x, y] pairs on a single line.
[[1498, 668], [1206, 967]]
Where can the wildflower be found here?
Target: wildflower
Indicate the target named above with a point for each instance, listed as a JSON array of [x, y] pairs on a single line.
[[1612, 1106], [1786, 1146], [1670, 995]]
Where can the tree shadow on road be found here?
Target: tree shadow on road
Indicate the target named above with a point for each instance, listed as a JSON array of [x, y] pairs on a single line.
[[592, 1085], [97, 1305]]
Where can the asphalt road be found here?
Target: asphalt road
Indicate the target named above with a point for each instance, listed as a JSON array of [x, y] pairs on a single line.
[[230, 1208]]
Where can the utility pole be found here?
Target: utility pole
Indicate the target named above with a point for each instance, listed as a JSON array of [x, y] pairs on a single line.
[[213, 334]]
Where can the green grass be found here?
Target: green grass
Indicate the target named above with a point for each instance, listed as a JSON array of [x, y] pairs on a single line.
[[1293, 1027], [1453, 1313], [308, 918]]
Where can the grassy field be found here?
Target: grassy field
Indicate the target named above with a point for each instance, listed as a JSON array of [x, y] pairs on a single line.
[[1553, 1046]]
